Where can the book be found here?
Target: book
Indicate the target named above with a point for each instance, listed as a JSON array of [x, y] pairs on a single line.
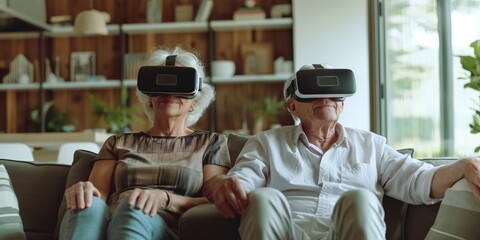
[[61, 19], [249, 15], [204, 11]]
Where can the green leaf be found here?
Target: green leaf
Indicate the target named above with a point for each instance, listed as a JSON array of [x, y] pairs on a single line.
[[46, 106], [123, 96], [475, 125], [472, 64], [469, 63], [476, 48]]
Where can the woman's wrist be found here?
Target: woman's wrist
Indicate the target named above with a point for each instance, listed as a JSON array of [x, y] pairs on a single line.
[[168, 203]]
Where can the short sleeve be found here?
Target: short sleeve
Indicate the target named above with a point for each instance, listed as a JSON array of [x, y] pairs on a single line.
[[217, 151], [107, 151]]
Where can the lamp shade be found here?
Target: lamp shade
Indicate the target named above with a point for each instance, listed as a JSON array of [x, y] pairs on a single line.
[[91, 22]]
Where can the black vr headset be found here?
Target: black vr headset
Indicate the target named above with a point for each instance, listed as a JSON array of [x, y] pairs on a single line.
[[169, 79], [311, 84]]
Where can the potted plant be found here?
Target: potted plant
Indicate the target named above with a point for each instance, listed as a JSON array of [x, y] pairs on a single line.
[[472, 64], [117, 118], [266, 108], [55, 121]]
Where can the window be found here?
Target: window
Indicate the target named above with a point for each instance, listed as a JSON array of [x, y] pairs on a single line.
[[422, 102]]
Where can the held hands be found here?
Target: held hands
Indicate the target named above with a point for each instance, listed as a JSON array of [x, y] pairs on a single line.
[[472, 174], [228, 194], [149, 200], [79, 195]]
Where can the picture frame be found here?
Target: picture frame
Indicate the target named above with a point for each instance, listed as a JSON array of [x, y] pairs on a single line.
[[82, 66], [257, 58]]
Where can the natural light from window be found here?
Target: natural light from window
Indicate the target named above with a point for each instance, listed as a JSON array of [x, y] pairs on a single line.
[[412, 75]]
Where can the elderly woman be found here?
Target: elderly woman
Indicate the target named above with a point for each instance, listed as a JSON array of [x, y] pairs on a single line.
[[155, 175]]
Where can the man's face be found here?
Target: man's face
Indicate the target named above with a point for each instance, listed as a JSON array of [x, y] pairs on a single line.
[[321, 109]]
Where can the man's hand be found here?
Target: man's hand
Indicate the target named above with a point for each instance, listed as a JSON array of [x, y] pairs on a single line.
[[79, 195], [472, 173], [228, 194]]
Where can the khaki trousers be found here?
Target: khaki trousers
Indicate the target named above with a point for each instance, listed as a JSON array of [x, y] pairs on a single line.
[[357, 215]]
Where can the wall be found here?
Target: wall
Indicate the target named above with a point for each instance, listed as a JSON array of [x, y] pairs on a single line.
[[335, 32]]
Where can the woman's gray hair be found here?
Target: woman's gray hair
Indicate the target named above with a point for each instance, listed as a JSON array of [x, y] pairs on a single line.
[[187, 59]]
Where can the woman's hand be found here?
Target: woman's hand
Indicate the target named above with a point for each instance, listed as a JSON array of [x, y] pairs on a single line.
[[148, 200], [79, 195]]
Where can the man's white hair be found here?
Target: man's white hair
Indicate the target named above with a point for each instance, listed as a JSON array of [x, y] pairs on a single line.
[[187, 59], [287, 84]]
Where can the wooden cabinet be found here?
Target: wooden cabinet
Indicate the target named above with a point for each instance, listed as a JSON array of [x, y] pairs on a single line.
[[220, 38]]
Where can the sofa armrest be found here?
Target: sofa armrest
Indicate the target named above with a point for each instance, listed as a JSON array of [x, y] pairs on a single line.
[[418, 219], [39, 188]]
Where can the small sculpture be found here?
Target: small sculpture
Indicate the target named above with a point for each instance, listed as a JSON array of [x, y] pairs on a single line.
[[21, 71]]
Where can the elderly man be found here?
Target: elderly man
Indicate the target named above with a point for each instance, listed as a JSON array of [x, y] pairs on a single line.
[[321, 180]]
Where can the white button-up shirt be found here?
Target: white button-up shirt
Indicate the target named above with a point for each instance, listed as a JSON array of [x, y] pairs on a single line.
[[312, 180]]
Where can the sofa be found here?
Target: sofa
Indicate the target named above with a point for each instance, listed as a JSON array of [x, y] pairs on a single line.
[[39, 188]]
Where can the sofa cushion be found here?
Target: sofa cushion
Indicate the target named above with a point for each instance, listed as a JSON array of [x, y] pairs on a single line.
[[79, 171], [11, 226], [39, 187], [204, 222], [235, 144]]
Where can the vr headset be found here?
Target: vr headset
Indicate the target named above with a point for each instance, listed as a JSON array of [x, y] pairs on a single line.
[[311, 84], [169, 79]]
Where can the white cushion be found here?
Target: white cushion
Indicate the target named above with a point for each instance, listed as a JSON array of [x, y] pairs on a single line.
[[458, 216], [11, 226]]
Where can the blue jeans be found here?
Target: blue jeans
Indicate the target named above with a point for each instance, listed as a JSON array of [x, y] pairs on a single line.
[[126, 222]]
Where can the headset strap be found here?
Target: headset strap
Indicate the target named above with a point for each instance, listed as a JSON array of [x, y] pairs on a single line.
[[318, 66], [171, 60]]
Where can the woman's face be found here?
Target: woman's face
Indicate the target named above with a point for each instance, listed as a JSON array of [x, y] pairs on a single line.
[[171, 105]]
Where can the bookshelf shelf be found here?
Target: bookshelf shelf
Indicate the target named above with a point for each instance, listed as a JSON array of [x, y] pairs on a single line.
[[67, 31], [261, 24], [61, 85], [18, 86], [168, 27], [6, 12]]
